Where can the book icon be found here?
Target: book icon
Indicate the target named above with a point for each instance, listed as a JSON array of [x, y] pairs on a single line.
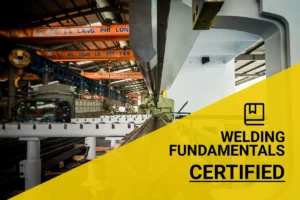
[[254, 114]]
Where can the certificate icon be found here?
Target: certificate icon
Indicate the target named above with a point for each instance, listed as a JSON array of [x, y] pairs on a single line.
[[254, 114]]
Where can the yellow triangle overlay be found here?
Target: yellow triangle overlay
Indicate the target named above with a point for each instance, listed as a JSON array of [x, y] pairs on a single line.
[[145, 170]]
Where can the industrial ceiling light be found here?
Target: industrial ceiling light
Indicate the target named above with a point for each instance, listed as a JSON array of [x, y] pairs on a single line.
[[124, 70], [137, 85], [84, 62], [120, 81], [53, 82], [96, 24], [132, 62], [205, 12]]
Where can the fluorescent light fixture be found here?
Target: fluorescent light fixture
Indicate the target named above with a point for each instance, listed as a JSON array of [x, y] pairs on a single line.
[[123, 44], [53, 82], [96, 24], [84, 62], [120, 81], [35, 86], [132, 62], [134, 85], [124, 70]]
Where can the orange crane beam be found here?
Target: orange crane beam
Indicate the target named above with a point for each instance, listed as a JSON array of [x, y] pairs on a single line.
[[26, 77], [87, 55], [112, 75], [135, 98], [68, 34], [133, 95]]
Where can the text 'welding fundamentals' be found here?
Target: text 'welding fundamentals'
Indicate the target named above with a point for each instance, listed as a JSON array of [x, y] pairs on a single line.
[[237, 143]]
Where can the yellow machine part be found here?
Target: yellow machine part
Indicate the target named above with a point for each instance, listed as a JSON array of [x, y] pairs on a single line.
[[19, 58], [165, 94], [16, 82]]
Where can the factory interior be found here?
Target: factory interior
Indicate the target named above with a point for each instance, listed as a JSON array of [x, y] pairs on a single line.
[[80, 78]]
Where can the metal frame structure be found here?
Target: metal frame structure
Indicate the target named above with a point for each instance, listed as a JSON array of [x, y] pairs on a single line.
[[122, 119], [251, 64], [30, 169], [65, 130], [113, 128], [54, 13], [43, 66]]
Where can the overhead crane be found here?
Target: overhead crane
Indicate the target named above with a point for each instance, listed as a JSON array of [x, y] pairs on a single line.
[[43, 66], [112, 75], [88, 55], [68, 34]]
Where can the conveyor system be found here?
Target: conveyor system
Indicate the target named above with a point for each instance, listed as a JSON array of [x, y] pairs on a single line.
[[122, 119], [125, 116], [89, 129], [65, 130]]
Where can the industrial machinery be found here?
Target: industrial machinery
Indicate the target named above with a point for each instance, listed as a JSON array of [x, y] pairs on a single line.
[[146, 103], [108, 106], [56, 103], [164, 105]]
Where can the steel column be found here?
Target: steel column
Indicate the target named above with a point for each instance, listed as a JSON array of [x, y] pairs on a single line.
[[31, 168], [11, 90], [113, 143], [91, 142]]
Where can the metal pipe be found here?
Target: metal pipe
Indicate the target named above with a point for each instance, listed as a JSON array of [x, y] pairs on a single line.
[[182, 107]]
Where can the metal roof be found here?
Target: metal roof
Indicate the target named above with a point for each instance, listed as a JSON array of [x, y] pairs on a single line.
[[53, 13], [251, 64]]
